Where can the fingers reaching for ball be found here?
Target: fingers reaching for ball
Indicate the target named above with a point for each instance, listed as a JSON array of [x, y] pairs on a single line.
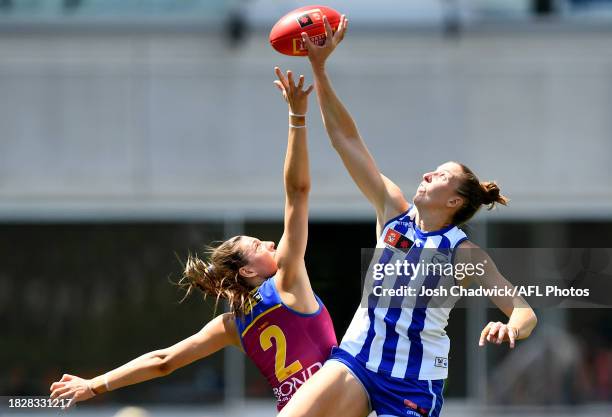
[[296, 96], [336, 37], [319, 54]]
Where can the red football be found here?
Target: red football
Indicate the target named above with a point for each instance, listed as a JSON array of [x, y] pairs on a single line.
[[286, 35]]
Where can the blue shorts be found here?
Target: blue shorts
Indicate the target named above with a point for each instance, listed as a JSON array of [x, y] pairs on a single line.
[[394, 397]]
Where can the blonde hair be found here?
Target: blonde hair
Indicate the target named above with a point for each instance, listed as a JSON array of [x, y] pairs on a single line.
[[220, 276]]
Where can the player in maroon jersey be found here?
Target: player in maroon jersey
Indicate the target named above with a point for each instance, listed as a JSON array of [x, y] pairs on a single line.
[[275, 317]]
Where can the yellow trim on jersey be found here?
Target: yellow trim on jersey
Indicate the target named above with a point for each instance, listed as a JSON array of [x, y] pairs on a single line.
[[258, 317]]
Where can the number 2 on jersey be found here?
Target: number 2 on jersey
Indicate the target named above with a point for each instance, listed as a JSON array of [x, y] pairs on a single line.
[[265, 339]]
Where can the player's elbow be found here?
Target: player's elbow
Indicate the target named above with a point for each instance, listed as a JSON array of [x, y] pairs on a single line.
[[163, 363], [165, 366], [339, 140], [298, 190]]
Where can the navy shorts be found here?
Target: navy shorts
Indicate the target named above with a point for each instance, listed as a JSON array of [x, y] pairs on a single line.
[[394, 397]]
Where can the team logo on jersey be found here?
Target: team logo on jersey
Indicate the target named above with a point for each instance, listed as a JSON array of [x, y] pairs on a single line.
[[253, 300], [441, 362], [397, 240], [414, 409]]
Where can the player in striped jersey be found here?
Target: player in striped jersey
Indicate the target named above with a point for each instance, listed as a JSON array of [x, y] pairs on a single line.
[[393, 358], [275, 318]]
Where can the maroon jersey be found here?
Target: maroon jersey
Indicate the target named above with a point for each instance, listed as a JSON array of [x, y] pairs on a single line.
[[288, 347]]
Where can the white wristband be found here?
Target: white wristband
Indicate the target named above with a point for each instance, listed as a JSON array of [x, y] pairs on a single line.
[[297, 126], [93, 393], [106, 382], [296, 115]]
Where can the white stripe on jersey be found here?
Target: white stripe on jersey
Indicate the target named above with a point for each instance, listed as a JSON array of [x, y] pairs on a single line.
[[379, 338], [357, 332], [434, 337], [433, 399], [403, 344]]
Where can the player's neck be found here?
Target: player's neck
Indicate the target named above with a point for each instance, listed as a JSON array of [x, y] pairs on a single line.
[[430, 220]]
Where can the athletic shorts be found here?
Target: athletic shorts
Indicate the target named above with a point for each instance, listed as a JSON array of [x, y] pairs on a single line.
[[394, 397]]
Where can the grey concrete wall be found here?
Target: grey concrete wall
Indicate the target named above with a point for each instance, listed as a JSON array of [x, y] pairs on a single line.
[[177, 125]]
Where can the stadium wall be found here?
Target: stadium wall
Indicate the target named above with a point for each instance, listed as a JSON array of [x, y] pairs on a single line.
[[174, 125]]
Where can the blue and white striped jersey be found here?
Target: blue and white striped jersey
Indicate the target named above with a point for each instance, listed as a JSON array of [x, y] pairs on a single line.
[[406, 341]]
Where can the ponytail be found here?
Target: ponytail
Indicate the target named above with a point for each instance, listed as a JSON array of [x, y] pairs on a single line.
[[491, 194], [220, 277], [475, 194]]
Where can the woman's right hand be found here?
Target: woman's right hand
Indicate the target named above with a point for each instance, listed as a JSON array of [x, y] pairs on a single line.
[[71, 387], [319, 54]]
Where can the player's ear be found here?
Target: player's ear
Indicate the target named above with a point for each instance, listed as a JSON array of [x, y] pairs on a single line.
[[247, 272], [454, 202]]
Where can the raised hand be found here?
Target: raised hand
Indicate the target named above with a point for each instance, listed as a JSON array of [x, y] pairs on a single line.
[[71, 387], [318, 54], [295, 95], [497, 333]]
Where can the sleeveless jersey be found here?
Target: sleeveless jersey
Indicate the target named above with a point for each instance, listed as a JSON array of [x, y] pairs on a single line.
[[406, 341], [288, 347]]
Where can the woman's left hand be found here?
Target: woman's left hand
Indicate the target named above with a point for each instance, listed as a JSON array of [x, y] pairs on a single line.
[[497, 333], [295, 95]]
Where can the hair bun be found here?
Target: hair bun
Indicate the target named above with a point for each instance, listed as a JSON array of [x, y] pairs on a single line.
[[491, 194]]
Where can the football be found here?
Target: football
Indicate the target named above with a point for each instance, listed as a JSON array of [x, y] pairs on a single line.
[[286, 35]]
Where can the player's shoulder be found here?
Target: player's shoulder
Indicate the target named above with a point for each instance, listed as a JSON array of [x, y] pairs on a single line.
[[404, 213], [464, 250], [228, 321], [469, 252], [467, 244], [261, 298]]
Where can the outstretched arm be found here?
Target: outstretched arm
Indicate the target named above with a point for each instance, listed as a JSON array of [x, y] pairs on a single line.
[[216, 335], [382, 193], [521, 317], [292, 280]]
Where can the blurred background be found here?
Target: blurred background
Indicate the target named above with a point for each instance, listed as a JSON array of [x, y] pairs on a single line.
[[133, 132]]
